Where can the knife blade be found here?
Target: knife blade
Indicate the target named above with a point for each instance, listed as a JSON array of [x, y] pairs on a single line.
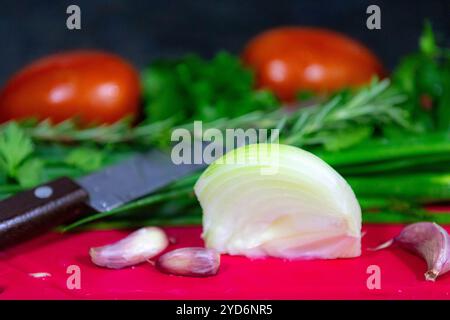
[[132, 179], [32, 212]]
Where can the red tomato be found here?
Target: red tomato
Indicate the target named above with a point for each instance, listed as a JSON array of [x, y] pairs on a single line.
[[95, 87], [291, 59]]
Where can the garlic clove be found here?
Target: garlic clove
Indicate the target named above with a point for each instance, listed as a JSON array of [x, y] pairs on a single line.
[[191, 262], [136, 248], [427, 240], [431, 242]]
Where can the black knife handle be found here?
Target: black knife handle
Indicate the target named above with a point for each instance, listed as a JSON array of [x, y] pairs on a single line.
[[35, 211]]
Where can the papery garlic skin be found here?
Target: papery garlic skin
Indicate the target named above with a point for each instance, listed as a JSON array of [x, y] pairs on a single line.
[[136, 248], [303, 210]]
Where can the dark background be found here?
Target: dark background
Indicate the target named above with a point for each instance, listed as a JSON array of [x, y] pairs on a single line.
[[142, 30]]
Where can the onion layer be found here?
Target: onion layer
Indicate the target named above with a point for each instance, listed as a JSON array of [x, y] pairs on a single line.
[[277, 200]]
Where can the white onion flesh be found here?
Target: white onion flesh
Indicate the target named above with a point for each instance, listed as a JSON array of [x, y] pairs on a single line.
[[280, 202]]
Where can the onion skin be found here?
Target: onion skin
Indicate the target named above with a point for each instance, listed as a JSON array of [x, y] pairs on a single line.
[[303, 210], [429, 241]]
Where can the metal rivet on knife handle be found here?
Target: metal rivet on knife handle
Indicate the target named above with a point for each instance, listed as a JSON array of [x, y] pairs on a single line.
[[43, 192]]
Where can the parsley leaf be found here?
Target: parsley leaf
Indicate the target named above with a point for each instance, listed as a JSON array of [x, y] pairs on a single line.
[[427, 41], [85, 159], [195, 88], [30, 173], [425, 77], [15, 147]]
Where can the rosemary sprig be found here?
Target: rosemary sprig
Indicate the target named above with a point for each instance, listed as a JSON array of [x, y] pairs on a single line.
[[374, 105], [119, 132]]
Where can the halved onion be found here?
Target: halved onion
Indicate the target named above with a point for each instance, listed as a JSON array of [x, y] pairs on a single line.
[[277, 200]]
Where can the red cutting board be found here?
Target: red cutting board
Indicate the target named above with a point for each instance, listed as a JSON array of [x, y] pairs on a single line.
[[401, 273]]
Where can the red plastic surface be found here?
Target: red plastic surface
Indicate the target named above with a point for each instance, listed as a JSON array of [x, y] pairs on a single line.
[[239, 278]]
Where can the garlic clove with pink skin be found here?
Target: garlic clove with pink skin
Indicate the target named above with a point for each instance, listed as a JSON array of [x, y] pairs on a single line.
[[429, 241], [136, 248], [190, 262]]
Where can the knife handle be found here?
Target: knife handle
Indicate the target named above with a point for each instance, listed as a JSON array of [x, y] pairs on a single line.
[[40, 209]]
